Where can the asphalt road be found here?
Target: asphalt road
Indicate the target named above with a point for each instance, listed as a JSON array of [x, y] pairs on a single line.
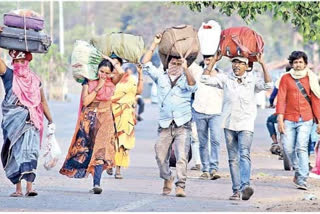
[[141, 187]]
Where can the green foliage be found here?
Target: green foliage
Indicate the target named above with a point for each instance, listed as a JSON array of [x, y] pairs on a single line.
[[305, 16], [52, 61]]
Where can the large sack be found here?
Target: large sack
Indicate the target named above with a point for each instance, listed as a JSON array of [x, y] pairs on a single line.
[[209, 37], [24, 40], [84, 61], [241, 41], [179, 41], [126, 46], [24, 18]]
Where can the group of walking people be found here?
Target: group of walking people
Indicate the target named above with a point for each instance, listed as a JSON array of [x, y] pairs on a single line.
[[192, 99], [104, 132]]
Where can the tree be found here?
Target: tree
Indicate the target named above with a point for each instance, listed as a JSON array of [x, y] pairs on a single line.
[[305, 16]]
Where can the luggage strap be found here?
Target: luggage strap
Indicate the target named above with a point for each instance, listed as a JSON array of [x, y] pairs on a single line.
[[174, 44], [303, 91], [25, 32]]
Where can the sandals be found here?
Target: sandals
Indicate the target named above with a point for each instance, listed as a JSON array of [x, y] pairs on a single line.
[[118, 176], [16, 194], [31, 194]]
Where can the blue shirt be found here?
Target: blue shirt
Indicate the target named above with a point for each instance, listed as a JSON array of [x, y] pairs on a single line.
[[175, 102]]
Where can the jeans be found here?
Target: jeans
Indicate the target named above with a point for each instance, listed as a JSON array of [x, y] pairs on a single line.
[[180, 138], [295, 140], [238, 146], [209, 125], [140, 102], [195, 144], [272, 119], [97, 175]]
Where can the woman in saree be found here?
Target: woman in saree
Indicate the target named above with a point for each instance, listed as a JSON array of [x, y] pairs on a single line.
[[123, 107], [23, 108], [92, 148]]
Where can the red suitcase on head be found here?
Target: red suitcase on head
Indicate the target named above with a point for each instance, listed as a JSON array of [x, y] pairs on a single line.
[[241, 41]]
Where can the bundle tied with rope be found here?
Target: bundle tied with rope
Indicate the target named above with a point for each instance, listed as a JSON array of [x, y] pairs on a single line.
[[23, 32], [179, 41]]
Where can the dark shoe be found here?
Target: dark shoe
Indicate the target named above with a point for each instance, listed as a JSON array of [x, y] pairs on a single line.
[[180, 192], [301, 186], [214, 175], [310, 167], [235, 196], [96, 190], [196, 167], [139, 118], [205, 176], [247, 192], [167, 186], [31, 194]]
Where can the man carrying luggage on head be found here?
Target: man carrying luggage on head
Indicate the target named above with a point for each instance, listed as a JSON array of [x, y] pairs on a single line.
[[239, 112], [175, 86]]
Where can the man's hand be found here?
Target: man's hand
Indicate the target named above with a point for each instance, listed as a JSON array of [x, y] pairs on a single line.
[[217, 56], [281, 126], [139, 68], [184, 64], [260, 59], [318, 128], [1, 29]]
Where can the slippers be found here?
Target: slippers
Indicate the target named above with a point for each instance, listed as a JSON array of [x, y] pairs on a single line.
[[16, 194], [118, 176], [31, 194]]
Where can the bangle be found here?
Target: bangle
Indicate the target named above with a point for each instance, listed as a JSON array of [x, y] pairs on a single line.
[[96, 90]]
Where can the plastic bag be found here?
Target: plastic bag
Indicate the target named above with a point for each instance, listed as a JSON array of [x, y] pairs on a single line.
[[84, 61], [126, 46], [52, 152]]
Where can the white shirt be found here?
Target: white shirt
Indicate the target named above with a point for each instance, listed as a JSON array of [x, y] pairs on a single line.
[[239, 107], [207, 99]]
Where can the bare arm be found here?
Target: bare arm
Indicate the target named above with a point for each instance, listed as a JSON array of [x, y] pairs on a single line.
[[213, 61], [266, 75], [140, 80], [148, 55], [190, 79], [87, 97], [45, 106], [3, 67]]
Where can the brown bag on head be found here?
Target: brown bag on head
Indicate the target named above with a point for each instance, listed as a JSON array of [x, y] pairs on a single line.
[[179, 41]]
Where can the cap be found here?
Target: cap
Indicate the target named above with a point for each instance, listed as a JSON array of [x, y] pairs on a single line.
[[241, 59]]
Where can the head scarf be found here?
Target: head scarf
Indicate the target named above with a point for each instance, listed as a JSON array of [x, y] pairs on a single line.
[[26, 86]]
